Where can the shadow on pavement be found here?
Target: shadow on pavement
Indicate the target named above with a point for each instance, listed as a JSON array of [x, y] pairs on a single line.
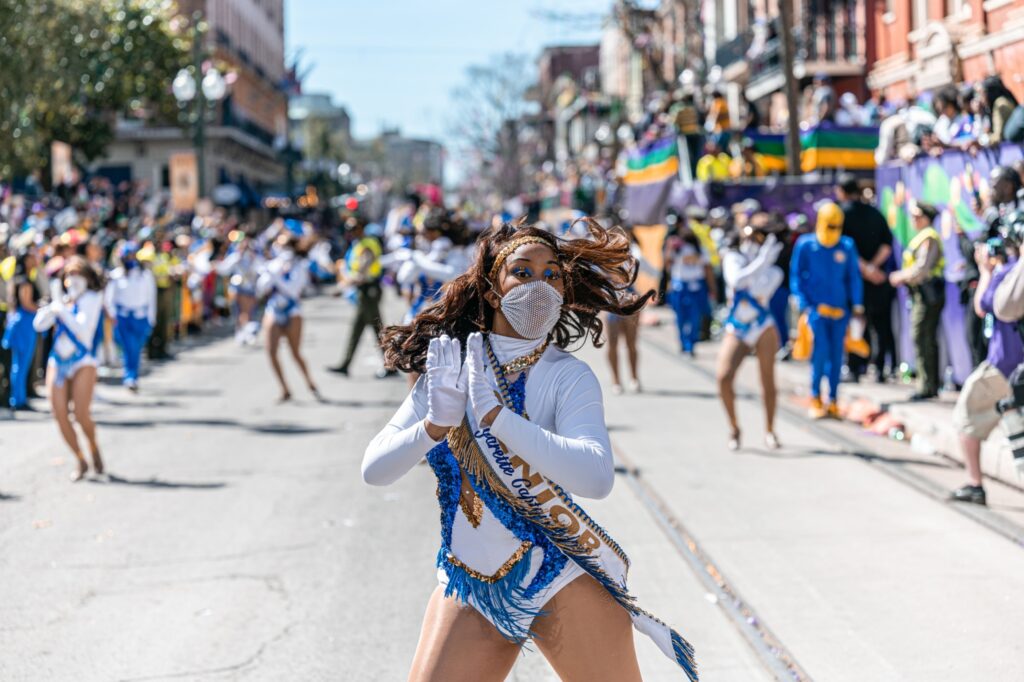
[[140, 403], [801, 453], [360, 403], [280, 428], [156, 483], [670, 393], [184, 392], [7, 497]]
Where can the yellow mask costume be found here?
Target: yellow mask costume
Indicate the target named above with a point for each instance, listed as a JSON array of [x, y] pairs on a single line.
[[829, 227]]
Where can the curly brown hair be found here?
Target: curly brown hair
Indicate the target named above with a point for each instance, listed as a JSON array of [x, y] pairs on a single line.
[[597, 274]]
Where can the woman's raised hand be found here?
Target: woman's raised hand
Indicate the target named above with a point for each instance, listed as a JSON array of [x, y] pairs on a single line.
[[446, 387], [481, 395]]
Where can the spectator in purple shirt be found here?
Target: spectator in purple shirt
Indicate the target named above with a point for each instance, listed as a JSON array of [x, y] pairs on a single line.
[[975, 413]]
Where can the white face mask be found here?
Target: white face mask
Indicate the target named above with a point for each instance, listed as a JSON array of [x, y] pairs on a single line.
[[533, 309], [76, 285]]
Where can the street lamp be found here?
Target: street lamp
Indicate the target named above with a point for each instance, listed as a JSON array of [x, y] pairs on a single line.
[[212, 89]]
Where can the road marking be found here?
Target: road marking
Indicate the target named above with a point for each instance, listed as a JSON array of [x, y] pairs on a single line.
[[846, 445]]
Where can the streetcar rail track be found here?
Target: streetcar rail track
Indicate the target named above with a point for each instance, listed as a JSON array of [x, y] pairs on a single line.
[[768, 648]]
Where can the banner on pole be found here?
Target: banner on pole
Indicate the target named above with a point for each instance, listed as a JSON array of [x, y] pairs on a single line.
[[62, 170], [184, 177]]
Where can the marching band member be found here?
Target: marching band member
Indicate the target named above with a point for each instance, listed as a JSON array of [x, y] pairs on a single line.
[[284, 278], [131, 302], [751, 277], [515, 546], [242, 268], [71, 368], [691, 286]]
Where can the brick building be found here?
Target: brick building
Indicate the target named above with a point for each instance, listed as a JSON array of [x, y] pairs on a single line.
[[922, 44], [245, 131]]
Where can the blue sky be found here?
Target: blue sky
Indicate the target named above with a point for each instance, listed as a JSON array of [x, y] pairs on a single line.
[[395, 62]]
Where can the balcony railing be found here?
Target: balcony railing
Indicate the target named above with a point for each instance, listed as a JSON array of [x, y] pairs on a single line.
[[814, 41], [733, 50]]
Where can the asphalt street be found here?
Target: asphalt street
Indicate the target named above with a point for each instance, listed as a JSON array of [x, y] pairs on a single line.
[[235, 540]]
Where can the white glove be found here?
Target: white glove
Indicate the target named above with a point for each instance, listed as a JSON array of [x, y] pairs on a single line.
[[446, 390], [481, 394]]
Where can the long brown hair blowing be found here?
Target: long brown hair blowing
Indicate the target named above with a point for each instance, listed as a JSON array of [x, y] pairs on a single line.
[[597, 274]]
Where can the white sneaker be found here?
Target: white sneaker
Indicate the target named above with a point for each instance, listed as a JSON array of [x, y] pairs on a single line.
[[771, 441], [616, 389], [634, 386]]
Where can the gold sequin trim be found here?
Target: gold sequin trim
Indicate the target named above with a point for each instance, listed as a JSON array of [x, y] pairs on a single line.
[[471, 504], [501, 572]]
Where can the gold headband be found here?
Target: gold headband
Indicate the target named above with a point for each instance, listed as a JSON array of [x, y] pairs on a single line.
[[512, 246]]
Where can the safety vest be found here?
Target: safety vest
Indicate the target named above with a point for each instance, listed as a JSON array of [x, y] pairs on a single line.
[[373, 245], [161, 269], [910, 253]]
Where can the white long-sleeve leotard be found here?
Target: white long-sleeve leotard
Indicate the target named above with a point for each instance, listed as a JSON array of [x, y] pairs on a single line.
[[759, 276], [82, 323], [566, 438]]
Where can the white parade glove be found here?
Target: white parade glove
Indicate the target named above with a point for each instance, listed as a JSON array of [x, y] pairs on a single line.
[[446, 392], [481, 394]]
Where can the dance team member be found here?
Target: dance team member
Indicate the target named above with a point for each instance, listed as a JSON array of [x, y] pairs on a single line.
[[71, 368], [283, 279], [691, 286], [242, 267], [751, 278], [511, 432], [131, 303]]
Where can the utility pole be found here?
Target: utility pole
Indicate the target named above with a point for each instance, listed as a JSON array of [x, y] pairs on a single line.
[[793, 128], [200, 105]]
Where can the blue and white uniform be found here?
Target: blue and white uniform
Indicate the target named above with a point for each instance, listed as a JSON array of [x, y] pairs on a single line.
[[75, 325], [242, 268], [428, 271], [566, 439], [19, 337], [284, 278], [688, 291], [751, 278], [131, 302]]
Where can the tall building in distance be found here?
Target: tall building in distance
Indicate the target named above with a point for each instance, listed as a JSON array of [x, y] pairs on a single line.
[[410, 161], [246, 131]]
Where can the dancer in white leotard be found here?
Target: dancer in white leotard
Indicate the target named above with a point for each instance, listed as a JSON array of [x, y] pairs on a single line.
[[71, 368], [519, 556], [751, 277], [284, 279]]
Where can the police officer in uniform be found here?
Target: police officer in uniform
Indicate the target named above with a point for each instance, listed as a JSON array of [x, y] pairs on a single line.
[[363, 271], [922, 273]]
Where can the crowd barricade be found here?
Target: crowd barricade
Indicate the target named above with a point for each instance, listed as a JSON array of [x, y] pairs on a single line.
[[783, 194], [951, 182]]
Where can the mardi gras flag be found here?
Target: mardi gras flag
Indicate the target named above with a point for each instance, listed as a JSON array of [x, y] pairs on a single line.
[[847, 148], [651, 170], [770, 151], [820, 148]]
